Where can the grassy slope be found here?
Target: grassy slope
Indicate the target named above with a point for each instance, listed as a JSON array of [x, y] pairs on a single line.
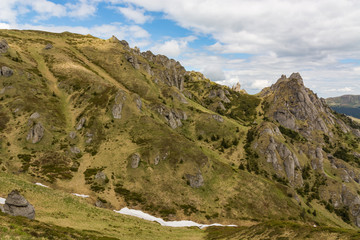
[[80, 76], [58, 213]]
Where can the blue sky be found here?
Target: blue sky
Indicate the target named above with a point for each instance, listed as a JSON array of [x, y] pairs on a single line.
[[252, 42]]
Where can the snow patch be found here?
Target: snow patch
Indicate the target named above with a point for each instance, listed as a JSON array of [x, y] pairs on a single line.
[[80, 195], [183, 223], [2, 200], [41, 185]]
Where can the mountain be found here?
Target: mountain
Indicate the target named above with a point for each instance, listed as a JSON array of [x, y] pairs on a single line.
[[130, 128], [346, 104]]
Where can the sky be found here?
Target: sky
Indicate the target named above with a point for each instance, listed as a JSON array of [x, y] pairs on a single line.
[[252, 42]]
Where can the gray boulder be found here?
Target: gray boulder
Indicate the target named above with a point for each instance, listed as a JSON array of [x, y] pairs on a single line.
[[17, 205], [217, 118], [133, 60], [48, 46], [101, 178], [138, 102], [172, 116], [135, 160], [36, 133], [35, 115], [75, 150], [6, 72], [118, 106], [219, 93], [72, 135], [3, 46], [195, 181], [81, 123]]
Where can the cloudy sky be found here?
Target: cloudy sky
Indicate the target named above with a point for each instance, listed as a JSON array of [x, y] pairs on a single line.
[[248, 41]]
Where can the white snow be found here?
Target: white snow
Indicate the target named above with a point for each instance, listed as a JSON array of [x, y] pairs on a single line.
[[184, 223], [2, 200], [41, 185], [80, 195]]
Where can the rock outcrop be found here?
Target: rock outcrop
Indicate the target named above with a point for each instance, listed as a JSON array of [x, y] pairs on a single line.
[[72, 135], [217, 118], [195, 181], [17, 205], [6, 71], [219, 93], [138, 102], [291, 102], [237, 88], [118, 105], [135, 160], [317, 158], [35, 115], [75, 150], [3, 46], [101, 178], [36, 133], [48, 46], [172, 116], [80, 124]]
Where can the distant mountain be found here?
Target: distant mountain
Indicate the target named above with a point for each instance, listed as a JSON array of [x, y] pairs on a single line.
[[346, 104]]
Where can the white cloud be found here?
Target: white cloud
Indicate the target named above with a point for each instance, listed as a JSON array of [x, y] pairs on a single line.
[[260, 84], [4, 26], [135, 15], [46, 8], [173, 47], [305, 36], [81, 9]]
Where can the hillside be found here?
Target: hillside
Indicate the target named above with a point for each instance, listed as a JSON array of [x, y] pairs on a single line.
[[130, 128], [346, 104]]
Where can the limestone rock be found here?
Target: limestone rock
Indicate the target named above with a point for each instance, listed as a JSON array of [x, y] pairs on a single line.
[[81, 123], [352, 201], [135, 160], [101, 178], [35, 115], [36, 133], [219, 93], [125, 44], [138, 102], [172, 116], [99, 204], [217, 118], [17, 205], [173, 73], [297, 107], [6, 71], [157, 160], [3, 46], [75, 150], [72, 135], [48, 46], [317, 158], [133, 60], [195, 181], [237, 87], [118, 105]]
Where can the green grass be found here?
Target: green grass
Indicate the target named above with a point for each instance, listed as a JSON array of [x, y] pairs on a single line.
[[58, 213]]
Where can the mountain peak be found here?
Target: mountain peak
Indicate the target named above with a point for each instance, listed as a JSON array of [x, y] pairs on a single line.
[[296, 77]]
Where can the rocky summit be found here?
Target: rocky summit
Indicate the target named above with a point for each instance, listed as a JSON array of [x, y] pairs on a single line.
[[97, 119]]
